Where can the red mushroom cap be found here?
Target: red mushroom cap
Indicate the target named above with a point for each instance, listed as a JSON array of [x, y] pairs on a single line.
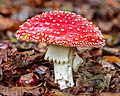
[[61, 28]]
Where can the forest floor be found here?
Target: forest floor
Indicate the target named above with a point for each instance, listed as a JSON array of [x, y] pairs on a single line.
[[99, 75]]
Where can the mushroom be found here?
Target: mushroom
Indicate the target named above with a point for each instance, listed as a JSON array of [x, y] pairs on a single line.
[[64, 32]]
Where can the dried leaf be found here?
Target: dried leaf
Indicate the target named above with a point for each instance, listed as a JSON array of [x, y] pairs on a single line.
[[92, 74], [23, 59], [110, 39], [113, 3], [6, 10], [4, 45], [105, 26], [43, 72], [5, 23], [75, 90], [109, 94], [1, 74], [19, 91], [114, 85], [111, 51], [51, 84], [3, 56], [106, 36], [107, 65], [112, 59], [56, 92]]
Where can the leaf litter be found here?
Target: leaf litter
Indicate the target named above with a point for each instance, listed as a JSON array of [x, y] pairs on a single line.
[[98, 75]]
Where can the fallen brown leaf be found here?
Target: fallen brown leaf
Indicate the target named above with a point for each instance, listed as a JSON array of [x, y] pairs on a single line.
[[3, 56], [109, 94], [4, 45], [111, 51], [18, 91], [113, 3], [56, 92], [5, 23], [1, 74], [112, 59]]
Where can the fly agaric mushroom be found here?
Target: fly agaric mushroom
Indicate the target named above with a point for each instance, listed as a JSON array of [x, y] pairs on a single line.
[[63, 31]]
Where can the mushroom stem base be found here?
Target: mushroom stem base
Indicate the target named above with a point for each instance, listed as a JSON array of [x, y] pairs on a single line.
[[63, 75]]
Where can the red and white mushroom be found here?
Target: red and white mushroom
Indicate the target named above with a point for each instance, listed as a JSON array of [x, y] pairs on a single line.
[[63, 31]]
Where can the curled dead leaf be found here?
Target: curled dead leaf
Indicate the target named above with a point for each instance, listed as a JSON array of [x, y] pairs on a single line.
[[5, 23]]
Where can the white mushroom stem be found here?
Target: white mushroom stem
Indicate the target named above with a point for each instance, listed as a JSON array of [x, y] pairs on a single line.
[[64, 61], [63, 72]]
